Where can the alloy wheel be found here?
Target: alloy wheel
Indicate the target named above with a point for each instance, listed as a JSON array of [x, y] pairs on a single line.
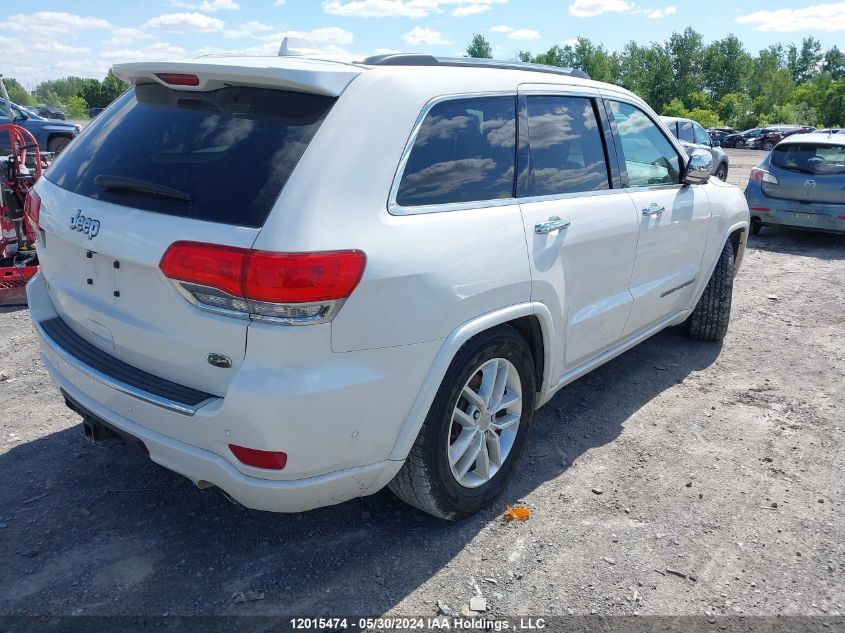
[[484, 424]]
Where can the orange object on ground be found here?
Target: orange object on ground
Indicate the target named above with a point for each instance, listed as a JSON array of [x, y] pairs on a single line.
[[517, 514]]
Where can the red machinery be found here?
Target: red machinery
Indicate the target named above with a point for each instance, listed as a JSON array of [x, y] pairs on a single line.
[[18, 214]]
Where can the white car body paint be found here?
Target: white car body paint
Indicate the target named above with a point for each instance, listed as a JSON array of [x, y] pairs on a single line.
[[346, 399]]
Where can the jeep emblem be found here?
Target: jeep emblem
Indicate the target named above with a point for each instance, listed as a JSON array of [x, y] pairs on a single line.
[[89, 226]]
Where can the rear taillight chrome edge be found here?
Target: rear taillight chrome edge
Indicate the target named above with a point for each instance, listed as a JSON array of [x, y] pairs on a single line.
[[216, 301]]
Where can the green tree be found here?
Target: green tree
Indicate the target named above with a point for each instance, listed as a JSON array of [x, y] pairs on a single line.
[[833, 63], [479, 47], [675, 107], [726, 67], [112, 88], [686, 51], [17, 93], [77, 108], [704, 116]]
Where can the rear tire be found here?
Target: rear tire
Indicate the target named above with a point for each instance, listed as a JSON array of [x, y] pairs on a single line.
[[709, 320], [431, 478], [768, 146]]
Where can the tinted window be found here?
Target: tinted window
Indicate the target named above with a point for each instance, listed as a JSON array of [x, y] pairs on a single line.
[[810, 158], [566, 150], [463, 152], [701, 137], [650, 159], [685, 132], [230, 151]]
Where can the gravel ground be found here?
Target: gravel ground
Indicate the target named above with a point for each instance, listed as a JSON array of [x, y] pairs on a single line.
[[681, 478]]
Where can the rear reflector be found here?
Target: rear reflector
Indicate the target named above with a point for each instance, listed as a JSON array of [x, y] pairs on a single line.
[[32, 209], [270, 460], [177, 79], [761, 209], [294, 287]]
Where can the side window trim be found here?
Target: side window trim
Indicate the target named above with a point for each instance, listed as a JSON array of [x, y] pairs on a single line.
[[673, 142], [524, 151], [394, 208]]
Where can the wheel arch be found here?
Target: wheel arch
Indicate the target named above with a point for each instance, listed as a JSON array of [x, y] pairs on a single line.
[[532, 320]]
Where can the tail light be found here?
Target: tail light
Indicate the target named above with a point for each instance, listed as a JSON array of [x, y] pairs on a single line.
[[288, 288], [761, 175], [32, 209], [179, 79]]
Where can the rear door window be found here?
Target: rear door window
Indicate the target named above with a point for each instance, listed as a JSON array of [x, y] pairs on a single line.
[[464, 152], [220, 156], [701, 137], [566, 152], [685, 132], [810, 158]]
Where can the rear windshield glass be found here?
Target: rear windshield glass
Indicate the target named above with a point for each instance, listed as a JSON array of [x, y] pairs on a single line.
[[221, 156], [810, 158]]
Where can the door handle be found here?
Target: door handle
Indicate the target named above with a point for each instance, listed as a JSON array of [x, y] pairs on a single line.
[[554, 224], [653, 209]]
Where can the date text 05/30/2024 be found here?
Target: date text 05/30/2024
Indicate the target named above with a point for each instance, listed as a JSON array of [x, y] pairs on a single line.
[[418, 624]]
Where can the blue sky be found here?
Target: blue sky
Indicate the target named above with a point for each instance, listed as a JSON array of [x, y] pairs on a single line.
[[45, 39]]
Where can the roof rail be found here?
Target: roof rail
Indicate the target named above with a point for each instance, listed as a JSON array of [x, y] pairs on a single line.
[[412, 59]]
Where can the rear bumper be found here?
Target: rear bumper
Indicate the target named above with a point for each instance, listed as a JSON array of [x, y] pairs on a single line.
[[338, 419], [816, 217]]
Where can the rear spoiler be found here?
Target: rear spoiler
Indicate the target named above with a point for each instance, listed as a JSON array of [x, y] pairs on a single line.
[[297, 74]]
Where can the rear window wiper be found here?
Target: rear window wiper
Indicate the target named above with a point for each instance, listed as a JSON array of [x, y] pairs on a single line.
[[121, 183], [796, 168]]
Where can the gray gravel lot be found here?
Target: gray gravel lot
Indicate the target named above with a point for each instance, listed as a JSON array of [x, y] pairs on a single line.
[[722, 463]]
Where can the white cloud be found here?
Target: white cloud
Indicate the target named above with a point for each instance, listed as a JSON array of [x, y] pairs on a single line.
[[49, 23], [249, 29], [524, 34], [386, 51], [422, 35], [405, 8], [124, 35], [51, 46], [819, 17], [157, 51], [206, 5], [661, 13], [279, 3], [471, 9], [326, 35], [502, 28], [572, 41], [182, 22], [592, 8]]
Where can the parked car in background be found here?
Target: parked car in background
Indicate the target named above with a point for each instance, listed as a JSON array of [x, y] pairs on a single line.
[[830, 130], [693, 136], [52, 136], [378, 352], [771, 135], [719, 132], [49, 112], [742, 139], [801, 183]]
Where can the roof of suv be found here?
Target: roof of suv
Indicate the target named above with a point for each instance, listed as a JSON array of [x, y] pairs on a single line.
[[330, 77]]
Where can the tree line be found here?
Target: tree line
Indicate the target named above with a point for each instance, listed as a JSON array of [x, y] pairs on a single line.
[[74, 94], [719, 83]]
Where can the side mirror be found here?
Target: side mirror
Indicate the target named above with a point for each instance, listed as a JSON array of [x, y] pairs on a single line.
[[699, 167]]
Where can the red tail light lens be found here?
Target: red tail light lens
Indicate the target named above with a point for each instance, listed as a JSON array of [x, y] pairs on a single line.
[[295, 287], [302, 277], [761, 175], [209, 265], [32, 209], [179, 79], [271, 460]]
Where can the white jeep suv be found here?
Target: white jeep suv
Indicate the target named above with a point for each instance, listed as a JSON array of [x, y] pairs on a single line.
[[301, 281]]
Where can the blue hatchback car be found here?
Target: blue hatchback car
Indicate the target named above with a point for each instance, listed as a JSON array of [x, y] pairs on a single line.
[[801, 184]]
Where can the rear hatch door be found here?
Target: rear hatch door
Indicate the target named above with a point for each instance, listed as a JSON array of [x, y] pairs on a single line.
[[808, 172], [161, 165]]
